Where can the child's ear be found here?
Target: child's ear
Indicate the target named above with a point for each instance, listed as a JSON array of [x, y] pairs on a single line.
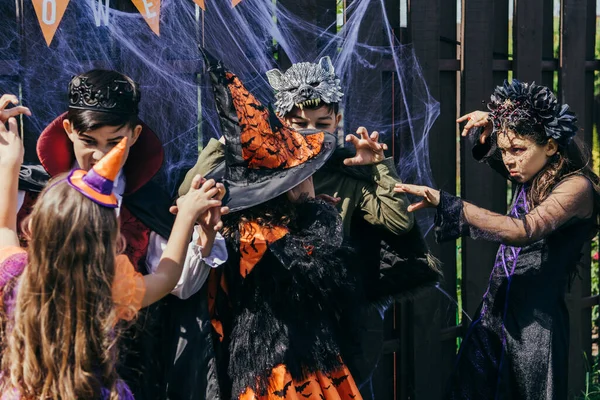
[[338, 119], [135, 135], [551, 147], [69, 130]]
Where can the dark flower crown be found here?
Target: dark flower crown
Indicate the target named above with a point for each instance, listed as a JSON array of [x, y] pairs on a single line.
[[530, 108], [120, 96]]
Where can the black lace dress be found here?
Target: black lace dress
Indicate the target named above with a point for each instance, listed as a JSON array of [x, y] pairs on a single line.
[[518, 344]]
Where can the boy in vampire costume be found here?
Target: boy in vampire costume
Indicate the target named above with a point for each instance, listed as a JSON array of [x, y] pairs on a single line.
[[394, 259], [103, 109]]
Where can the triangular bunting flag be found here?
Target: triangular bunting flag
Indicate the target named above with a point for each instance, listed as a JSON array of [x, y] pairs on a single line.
[[49, 14], [150, 10], [200, 4], [235, 2]]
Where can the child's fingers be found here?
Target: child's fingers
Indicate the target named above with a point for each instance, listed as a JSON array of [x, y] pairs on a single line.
[[352, 139], [6, 99], [218, 226], [352, 161], [196, 182], [222, 191], [212, 193], [464, 118], [363, 133], [213, 203], [410, 189], [173, 210], [374, 136], [417, 206], [224, 210], [207, 185]]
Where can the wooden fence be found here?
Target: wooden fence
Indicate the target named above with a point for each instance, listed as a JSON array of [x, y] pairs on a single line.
[[462, 63]]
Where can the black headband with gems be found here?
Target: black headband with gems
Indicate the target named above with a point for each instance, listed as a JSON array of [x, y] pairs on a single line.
[[119, 97]]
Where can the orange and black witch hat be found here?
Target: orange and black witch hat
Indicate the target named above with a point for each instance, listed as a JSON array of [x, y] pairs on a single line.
[[97, 184], [263, 157]]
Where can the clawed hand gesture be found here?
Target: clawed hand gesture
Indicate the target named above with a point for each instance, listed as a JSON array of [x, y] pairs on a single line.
[[5, 114], [368, 149], [477, 119]]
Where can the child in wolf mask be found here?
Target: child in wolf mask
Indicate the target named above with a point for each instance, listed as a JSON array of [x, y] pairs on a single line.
[[361, 185]]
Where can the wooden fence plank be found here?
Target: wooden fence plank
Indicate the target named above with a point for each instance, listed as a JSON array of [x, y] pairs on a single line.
[[444, 168], [479, 184], [528, 35], [429, 314], [572, 86], [548, 41]]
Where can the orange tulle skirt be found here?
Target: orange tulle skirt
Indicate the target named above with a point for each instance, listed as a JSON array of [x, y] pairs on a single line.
[[337, 385]]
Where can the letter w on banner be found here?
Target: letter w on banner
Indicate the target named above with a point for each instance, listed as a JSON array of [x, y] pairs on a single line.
[[49, 14], [150, 10]]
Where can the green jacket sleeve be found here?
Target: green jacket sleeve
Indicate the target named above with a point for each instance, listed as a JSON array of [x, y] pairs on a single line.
[[381, 205], [211, 156]]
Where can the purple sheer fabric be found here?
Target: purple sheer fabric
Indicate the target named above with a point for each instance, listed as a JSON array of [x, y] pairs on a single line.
[[517, 346]]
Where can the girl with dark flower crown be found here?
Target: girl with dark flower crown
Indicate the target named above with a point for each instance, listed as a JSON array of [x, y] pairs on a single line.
[[518, 344]]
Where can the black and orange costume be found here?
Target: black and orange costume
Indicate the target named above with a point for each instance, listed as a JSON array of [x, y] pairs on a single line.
[[275, 305]]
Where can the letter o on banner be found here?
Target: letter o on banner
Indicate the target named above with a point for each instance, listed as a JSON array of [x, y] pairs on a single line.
[[49, 12]]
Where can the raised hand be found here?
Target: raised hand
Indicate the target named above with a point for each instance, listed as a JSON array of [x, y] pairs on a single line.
[[202, 196], [5, 114], [368, 149], [431, 197], [477, 119], [11, 145]]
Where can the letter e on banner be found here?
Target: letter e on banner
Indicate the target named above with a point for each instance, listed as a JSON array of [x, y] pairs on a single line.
[[49, 14], [150, 10]]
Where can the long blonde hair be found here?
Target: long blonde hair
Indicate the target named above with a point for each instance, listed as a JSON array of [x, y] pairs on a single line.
[[62, 344]]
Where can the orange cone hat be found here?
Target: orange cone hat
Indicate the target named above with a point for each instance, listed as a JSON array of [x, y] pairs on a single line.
[[97, 184]]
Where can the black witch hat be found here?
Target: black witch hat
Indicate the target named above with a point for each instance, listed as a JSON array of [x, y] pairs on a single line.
[[263, 157]]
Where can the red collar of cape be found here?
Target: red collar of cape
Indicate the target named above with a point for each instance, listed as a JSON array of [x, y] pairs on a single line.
[[55, 151]]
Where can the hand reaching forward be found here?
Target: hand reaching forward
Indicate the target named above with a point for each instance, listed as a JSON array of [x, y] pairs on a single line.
[[476, 119], [431, 197], [201, 197], [210, 219], [368, 149]]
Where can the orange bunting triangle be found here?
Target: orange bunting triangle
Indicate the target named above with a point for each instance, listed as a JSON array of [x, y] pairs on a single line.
[[235, 2], [150, 10], [200, 4], [49, 14]]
